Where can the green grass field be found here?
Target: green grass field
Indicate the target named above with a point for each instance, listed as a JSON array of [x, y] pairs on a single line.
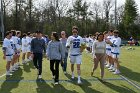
[[24, 80]]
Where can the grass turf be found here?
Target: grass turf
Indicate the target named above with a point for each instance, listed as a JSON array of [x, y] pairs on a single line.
[[24, 80]]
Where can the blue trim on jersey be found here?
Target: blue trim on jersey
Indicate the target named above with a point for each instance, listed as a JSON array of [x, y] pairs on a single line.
[[108, 49], [113, 45], [9, 55], [75, 54], [115, 53]]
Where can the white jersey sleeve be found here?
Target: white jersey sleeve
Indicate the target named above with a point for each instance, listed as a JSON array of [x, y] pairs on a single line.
[[117, 41], [69, 41]]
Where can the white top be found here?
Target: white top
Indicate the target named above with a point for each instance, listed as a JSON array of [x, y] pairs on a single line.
[[117, 43], [18, 45], [7, 44], [90, 43], [87, 41], [29, 39], [110, 38], [24, 43], [99, 47], [74, 43]]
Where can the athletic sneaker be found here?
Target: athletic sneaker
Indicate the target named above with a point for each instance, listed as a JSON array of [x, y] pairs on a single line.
[[14, 69], [117, 72], [65, 72], [11, 71], [8, 73], [107, 66], [18, 63], [30, 58], [79, 81], [23, 62], [39, 76], [16, 66], [56, 83], [27, 60], [111, 67], [72, 77], [53, 77], [112, 70]]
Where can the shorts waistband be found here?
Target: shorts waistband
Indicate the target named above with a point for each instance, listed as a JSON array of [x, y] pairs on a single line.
[[9, 55], [115, 53], [76, 55], [108, 49]]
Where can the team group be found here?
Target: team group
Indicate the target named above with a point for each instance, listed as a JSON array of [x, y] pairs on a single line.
[[104, 47]]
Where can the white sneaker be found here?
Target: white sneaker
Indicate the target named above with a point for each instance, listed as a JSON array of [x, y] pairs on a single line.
[[65, 72], [15, 69], [79, 82], [111, 67], [30, 58], [23, 62], [11, 71], [27, 60], [113, 70], [39, 76], [117, 72], [18, 64], [72, 77], [107, 66], [56, 83], [8, 73], [53, 77]]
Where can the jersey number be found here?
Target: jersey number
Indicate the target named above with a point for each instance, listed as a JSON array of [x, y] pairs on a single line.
[[76, 44]]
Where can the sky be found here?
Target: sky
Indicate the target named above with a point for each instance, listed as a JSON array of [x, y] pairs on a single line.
[[119, 2]]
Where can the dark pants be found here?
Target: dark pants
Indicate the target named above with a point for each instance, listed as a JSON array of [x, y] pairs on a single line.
[[38, 62], [55, 72], [64, 62]]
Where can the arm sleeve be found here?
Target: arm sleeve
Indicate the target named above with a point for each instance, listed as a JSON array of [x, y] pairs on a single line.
[[81, 41], [44, 46], [32, 45], [117, 43], [62, 51], [68, 42], [48, 50], [4, 46], [93, 49]]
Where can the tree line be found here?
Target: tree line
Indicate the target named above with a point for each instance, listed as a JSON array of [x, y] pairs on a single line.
[[59, 15]]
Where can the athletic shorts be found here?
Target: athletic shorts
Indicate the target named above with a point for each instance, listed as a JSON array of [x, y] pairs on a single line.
[[108, 52], [76, 59], [115, 55], [29, 49], [24, 50], [9, 58]]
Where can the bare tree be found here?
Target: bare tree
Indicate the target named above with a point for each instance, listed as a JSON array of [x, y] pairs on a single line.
[[6, 3], [96, 13], [120, 13], [108, 4]]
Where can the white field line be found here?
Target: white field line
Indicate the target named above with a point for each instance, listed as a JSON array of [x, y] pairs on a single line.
[[2, 75], [130, 82]]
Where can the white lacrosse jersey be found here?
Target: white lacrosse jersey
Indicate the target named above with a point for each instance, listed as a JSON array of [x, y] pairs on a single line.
[[74, 43], [8, 45]]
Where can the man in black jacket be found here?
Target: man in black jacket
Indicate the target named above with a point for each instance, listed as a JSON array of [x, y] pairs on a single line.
[[37, 47]]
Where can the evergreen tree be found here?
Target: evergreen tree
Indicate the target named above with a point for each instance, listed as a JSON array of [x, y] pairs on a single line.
[[130, 14]]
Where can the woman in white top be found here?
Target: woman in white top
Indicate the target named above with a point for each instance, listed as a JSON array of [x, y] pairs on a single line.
[[99, 51]]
